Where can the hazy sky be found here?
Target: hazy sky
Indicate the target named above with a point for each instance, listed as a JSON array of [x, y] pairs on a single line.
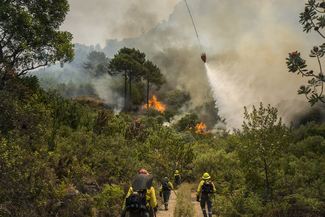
[[94, 21]]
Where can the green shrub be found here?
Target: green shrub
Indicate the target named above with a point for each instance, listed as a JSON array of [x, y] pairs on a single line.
[[184, 206], [109, 200], [187, 122]]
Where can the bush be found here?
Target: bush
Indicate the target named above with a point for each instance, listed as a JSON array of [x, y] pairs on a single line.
[[184, 205], [187, 122], [107, 202]]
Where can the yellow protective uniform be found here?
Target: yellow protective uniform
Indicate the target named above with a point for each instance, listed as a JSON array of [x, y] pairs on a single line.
[[171, 186], [177, 174], [150, 198], [199, 189]]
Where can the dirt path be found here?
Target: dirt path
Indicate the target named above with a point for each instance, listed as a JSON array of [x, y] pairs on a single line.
[[197, 207], [171, 206], [172, 203]]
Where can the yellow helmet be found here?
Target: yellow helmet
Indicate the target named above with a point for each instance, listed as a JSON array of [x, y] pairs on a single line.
[[206, 176], [176, 171]]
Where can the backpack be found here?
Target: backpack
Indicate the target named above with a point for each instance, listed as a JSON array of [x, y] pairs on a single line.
[[165, 184], [207, 187], [176, 177], [136, 202], [166, 187]]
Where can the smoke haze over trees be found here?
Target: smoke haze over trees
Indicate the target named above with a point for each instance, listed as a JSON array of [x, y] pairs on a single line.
[[246, 43]]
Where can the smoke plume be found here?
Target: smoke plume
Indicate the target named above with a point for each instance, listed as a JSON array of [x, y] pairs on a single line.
[[246, 43]]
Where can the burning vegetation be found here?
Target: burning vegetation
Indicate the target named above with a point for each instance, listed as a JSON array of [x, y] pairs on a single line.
[[154, 104], [201, 128]]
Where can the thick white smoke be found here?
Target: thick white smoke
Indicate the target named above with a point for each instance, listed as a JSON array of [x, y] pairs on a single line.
[[246, 43]]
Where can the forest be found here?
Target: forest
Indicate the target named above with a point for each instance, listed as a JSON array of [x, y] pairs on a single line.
[[72, 139]]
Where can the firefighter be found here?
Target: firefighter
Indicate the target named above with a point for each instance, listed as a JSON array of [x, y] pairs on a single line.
[[206, 189], [165, 189], [141, 198], [177, 178]]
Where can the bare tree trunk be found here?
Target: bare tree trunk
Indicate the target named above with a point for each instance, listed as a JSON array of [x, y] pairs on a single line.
[[147, 93], [125, 91], [267, 179], [130, 96]]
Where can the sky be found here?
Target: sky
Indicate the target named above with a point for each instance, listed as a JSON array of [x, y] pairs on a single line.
[[246, 43], [93, 22]]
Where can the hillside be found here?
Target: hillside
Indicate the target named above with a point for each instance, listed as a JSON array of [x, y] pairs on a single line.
[[66, 157]]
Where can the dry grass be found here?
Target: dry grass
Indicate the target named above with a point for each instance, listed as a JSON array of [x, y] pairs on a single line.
[[184, 206], [91, 101]]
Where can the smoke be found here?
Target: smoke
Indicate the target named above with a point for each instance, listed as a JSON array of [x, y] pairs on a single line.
[[246, 43], [93, 22], [108, 95]]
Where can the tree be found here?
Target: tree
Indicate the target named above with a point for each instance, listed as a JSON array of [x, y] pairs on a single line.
[[311, 18], [262, 140], [30, 36], [131, 62], [189, 121], [153, 77], [96, 63]]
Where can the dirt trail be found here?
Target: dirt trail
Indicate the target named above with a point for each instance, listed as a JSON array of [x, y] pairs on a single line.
[[197, 207], [172, 203], [171, 206]]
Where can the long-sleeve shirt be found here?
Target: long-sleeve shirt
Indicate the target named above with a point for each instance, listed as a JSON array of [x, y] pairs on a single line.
[[178, 175], [150, 196], [199, 189], [171, 186]]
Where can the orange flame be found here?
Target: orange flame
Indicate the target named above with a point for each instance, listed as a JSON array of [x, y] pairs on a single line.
[[201, 128], [155, 104]]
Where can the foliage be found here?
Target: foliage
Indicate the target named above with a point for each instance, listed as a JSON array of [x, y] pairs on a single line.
[[262, 141], [311, 18], [187, 122], [176, 97], [169, 114], [151, 112], [136, 131], [222, 167], [101, 123], [208, 114], [131, 63], [166, 151], [310, 129], [30, 34], [153, 77], [184, 205], [107, 201], [60, 157], [153, 122], [96, 63], [239, 204]]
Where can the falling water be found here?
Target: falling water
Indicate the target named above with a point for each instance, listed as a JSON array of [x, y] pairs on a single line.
[[229, 95]]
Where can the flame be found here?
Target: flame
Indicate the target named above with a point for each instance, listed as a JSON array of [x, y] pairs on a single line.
[[155, 104], [201, 128]]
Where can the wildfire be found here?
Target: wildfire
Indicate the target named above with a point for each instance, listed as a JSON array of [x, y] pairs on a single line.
[[155, 104], [201, 128]]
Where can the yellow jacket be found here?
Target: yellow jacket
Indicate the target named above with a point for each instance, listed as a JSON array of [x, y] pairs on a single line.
[[179, 176], [171, 186], [199, 189], [150, 198]]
